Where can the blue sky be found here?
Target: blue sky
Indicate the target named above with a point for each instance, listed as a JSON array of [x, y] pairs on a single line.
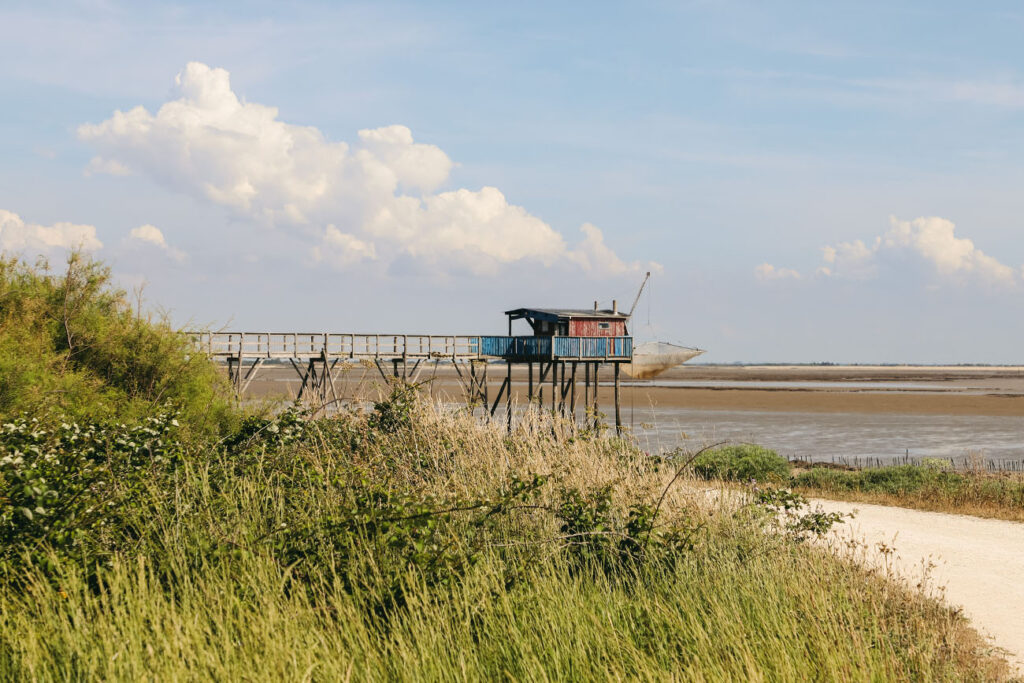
[[811, 181]]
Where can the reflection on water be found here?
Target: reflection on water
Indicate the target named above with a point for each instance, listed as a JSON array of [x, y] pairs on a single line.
[[824, 436]]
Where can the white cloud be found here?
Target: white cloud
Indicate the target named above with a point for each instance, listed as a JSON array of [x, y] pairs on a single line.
[[377, 199], [98, 165], [342, 249], [930, 239], [150, 235], [934, 240], [593, 254], [849, 259], [31, 238], [767, 271]]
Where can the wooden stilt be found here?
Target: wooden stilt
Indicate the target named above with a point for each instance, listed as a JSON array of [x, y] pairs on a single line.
[[250, 375], [303, 375], [508, 397], [497, 399], [586, 390], [597, 388], [238, 367], [380, 368], [554, 386], [618, 412], [529, 382], [542, 373], [483, 385], [572, 393], [416, 370]]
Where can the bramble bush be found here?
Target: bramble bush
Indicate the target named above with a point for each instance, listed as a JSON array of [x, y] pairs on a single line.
[[66, 489]]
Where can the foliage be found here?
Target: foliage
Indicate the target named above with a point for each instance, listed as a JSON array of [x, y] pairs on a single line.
[[745, 462], [63, 490], [72, 347], [927, 486], [786, 509], [395, 412]]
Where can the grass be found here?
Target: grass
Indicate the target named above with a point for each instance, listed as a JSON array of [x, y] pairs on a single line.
[[931, 485], [998, 495], [222, 569]]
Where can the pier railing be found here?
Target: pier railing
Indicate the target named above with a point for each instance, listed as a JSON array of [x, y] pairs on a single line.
[[559, 348], [299, 345], [305, 344]]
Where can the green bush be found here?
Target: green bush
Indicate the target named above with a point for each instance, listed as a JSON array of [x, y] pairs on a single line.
[[898, 479], [71, 347], [741, 463]]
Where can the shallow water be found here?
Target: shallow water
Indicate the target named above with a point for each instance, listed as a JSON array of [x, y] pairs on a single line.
[[839, 436], [792, 385]]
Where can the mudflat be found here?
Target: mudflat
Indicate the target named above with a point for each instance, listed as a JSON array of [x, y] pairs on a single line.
[[910, 390]]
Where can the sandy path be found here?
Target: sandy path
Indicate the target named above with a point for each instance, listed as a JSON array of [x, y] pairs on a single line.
[[979, 562]]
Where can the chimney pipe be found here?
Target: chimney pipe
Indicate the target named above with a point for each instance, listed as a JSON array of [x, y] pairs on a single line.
[[595, 305], [615, 306]]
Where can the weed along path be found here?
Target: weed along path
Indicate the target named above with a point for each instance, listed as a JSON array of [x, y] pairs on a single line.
[[977, 563]]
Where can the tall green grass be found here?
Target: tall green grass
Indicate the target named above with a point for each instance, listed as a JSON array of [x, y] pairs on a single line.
[[254, 562], [736, 609]]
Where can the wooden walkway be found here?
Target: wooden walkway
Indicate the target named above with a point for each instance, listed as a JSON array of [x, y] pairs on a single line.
[[315, 355]]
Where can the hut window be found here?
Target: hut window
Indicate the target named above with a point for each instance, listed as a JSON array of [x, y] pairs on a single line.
[[604, 326]]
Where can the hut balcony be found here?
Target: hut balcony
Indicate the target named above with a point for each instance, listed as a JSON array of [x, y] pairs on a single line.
[[534, 348]]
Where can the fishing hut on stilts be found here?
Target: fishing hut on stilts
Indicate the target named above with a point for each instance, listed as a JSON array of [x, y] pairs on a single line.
[[560, 342], [563, 340]]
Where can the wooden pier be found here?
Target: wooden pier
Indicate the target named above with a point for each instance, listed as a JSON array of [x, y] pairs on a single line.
[[315, 357]]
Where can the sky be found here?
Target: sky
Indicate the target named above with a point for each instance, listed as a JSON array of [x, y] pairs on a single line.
[[806, 182]]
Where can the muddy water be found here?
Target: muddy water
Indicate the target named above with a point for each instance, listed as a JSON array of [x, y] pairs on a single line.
[[812, 413], [835, 436]]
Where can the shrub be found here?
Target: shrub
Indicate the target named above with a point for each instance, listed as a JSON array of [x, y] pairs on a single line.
[[71, 346], [741, 463], [67, 489]]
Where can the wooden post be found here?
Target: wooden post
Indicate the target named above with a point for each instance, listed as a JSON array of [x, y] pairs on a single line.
[[572, 392], [238, 373], [586, 389], [554, 386], [483, 386], [529, 382], [597, 388], [618, 414], [542, 373], [508, 399]]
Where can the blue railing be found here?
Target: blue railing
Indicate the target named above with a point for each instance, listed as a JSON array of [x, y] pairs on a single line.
[[558, 347]]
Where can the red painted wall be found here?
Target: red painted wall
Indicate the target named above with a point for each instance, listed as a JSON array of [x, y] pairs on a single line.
[[591, 327]]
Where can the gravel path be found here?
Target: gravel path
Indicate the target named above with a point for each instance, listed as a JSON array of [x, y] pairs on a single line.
[[978, 562]]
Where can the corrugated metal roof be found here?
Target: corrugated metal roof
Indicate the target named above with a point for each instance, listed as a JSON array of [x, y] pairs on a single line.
[[568, 313]]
